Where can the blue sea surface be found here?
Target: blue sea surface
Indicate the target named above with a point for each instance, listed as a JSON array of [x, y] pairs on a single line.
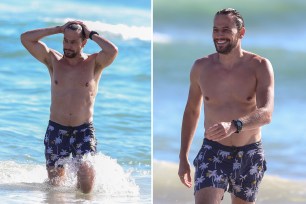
[[122, 112]]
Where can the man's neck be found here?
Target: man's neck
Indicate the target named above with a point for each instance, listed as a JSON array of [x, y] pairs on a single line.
[[75, 60], [229, 60]]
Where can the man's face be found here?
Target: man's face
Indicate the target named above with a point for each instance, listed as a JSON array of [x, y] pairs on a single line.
[[225, 33], [72, 43]]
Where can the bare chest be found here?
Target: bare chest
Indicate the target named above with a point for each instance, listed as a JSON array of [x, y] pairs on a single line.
[[72, 77], [220, 86]]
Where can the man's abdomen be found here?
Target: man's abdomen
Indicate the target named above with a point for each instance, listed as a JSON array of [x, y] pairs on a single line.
[[72, 109]]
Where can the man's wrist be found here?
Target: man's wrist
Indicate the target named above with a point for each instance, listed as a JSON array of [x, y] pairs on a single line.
[[183, 157], [59, 29], [238, 124], [92, 33]]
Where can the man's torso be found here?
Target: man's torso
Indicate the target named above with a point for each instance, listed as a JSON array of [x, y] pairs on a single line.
[[229, 94], [73, 91]]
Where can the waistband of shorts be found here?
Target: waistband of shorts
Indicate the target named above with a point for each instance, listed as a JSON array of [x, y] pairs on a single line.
[[232, 148], [63, 127]]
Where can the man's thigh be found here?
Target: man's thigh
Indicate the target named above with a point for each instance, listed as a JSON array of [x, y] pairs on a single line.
[[209, 195]]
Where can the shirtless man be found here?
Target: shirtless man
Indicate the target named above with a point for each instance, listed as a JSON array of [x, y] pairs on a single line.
[[237, 90], [74, 85]]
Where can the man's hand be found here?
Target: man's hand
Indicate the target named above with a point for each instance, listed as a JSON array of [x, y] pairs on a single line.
[[81, 23], [62, 28], [85, 28], [184, 173], [220, 131]]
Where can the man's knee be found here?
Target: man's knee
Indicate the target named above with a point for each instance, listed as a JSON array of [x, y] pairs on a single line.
[[209, 195], [236, 200], [56, 175], [86, 177]]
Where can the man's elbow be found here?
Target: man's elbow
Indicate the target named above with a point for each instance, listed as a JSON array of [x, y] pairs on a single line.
[[24, 38], [115, 51]]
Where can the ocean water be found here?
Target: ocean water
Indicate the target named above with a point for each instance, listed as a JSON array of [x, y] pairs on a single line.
[[275, 30], [122, 110]]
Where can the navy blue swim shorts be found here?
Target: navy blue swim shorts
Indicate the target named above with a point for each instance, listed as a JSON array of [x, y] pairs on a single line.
[[61, 141], [236, 169]]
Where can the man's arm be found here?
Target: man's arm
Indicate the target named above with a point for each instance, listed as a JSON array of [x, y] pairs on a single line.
[[264, 101], [189, 125], [31, 41], [108, 53], [264, 98]]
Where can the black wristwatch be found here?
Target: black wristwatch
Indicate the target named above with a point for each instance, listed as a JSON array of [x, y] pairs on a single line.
[[238, 124], [92, 33]]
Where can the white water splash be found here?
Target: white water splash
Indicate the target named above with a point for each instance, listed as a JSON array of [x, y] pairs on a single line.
[[111, 180]]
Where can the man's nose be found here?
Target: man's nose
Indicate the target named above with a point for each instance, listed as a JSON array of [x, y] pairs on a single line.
[[68, 45], [219, 34]]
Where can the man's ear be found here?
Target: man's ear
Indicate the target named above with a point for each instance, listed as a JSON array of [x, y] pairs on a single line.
[[84, 42], [242, 32]]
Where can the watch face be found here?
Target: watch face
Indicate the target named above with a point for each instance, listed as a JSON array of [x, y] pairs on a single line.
[[238, 125]]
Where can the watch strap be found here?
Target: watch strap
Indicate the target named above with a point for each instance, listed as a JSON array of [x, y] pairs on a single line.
[[238, 124], [92, 33]]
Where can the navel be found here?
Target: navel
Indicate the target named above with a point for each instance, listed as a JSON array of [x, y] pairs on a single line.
[[206, 98], [86, 84], [55, 81]]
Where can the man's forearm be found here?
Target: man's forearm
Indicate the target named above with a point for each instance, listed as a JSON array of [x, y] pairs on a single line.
[[189, 125], [36, 35], [105, 44], [256, 119]]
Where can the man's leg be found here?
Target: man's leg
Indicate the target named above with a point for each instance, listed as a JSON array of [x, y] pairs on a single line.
[[209, 195], [86, 177], [236, 200], [84, 145], [56, 147], [56, 175]]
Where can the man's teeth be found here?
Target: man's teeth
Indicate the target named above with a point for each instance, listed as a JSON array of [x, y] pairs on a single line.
[[221, 41]]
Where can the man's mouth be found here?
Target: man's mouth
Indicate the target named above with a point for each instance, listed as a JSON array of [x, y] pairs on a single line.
[[220, 42], [66, 50]]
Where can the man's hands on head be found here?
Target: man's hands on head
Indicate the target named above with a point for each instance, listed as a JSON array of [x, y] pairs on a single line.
[[85, 28], [81, 23]]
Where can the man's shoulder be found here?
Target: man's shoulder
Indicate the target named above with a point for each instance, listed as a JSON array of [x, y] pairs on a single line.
[[201, 65], [261, 65], [256, 59], [204, 61], [55, 57], [55, 54]]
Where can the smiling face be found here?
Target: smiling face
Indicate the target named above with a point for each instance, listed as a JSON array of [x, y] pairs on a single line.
[[226, 35], [72, 43]]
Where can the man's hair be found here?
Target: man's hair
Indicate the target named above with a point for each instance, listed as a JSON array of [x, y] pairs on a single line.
[[77, 27], [230, 11]]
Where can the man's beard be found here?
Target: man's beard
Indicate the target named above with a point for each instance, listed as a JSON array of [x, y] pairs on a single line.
[[70, 53], [227, 49]]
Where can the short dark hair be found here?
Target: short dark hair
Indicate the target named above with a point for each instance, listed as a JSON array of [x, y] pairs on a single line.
[[230, 11], [77, 27]]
